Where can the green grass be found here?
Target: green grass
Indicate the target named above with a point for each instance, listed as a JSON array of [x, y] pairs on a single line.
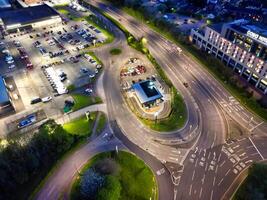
[[255, 185], [63, 11], [115, 51], [81, 101], [101, 123], [239, 93], [136, 179], [176, 119], [81, 126], [71, 87]]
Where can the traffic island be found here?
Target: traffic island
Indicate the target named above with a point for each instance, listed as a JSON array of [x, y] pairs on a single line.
[[115, 175], [157, 105]]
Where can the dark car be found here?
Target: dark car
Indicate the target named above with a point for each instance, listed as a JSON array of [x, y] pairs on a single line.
[[36, 100]]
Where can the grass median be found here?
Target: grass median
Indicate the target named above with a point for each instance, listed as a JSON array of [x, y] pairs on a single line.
[[129, 175], [115, 51]]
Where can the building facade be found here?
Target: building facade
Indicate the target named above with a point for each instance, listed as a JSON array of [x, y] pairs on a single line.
[[240, 45]]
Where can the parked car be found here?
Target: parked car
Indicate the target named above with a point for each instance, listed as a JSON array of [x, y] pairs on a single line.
[[36, 100], [27, 121], [46, 99]]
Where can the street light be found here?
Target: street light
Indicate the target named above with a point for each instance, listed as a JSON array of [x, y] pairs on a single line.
[[87, 114], [156, 117]]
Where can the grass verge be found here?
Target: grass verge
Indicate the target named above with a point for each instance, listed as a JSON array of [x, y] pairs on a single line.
[[101, 123], [176, 119], [80, 126], [115, 51], [81, 101], [136, 179]]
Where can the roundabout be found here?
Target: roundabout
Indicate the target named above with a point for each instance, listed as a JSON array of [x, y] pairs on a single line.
[[115, 175]]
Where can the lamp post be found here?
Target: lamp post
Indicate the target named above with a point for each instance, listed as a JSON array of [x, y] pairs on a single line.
[[156, 117], [87, 114]]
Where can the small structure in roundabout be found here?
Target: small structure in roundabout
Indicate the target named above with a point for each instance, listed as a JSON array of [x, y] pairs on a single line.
[[145, 93]]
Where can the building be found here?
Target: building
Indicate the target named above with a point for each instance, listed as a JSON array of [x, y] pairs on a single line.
[[241, 45], [29, 18], [5, 101], [147, 93]]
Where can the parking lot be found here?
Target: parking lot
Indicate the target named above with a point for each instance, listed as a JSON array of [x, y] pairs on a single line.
[[45, 62]]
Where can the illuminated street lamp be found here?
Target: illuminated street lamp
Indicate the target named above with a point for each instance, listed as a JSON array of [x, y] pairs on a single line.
[[156, 117], [87, 114]]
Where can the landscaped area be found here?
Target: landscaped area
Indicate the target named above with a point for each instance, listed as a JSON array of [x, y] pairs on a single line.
[[81, 101], [115, 51], [255, 185], [81, 126], [176, 119], [115, 176], [101, 123]]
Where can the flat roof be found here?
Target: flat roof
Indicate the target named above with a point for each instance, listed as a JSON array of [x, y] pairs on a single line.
[[27, 15], [146, 91], [217, 27], [3, 92]]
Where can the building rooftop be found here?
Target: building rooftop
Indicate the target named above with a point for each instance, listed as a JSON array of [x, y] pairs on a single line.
[[217, 27], [27, 15], [3, 92], [244, 26], [146, 91]]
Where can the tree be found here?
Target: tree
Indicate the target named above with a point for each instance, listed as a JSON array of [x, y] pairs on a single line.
[[91, 182], [198, 3], [111, 189]]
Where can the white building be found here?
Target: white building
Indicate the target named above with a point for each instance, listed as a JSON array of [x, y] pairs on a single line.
[[241, 45]]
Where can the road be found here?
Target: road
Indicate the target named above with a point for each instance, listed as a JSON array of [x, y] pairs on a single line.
[[209, 164], [216, 106]]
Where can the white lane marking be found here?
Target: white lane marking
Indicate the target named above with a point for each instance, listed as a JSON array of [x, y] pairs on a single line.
[[222, 163], [193, 175], [213, 181], [190, 190], [227, 172], [220, 181], [200, 193], [211, 195], [256, 148]]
